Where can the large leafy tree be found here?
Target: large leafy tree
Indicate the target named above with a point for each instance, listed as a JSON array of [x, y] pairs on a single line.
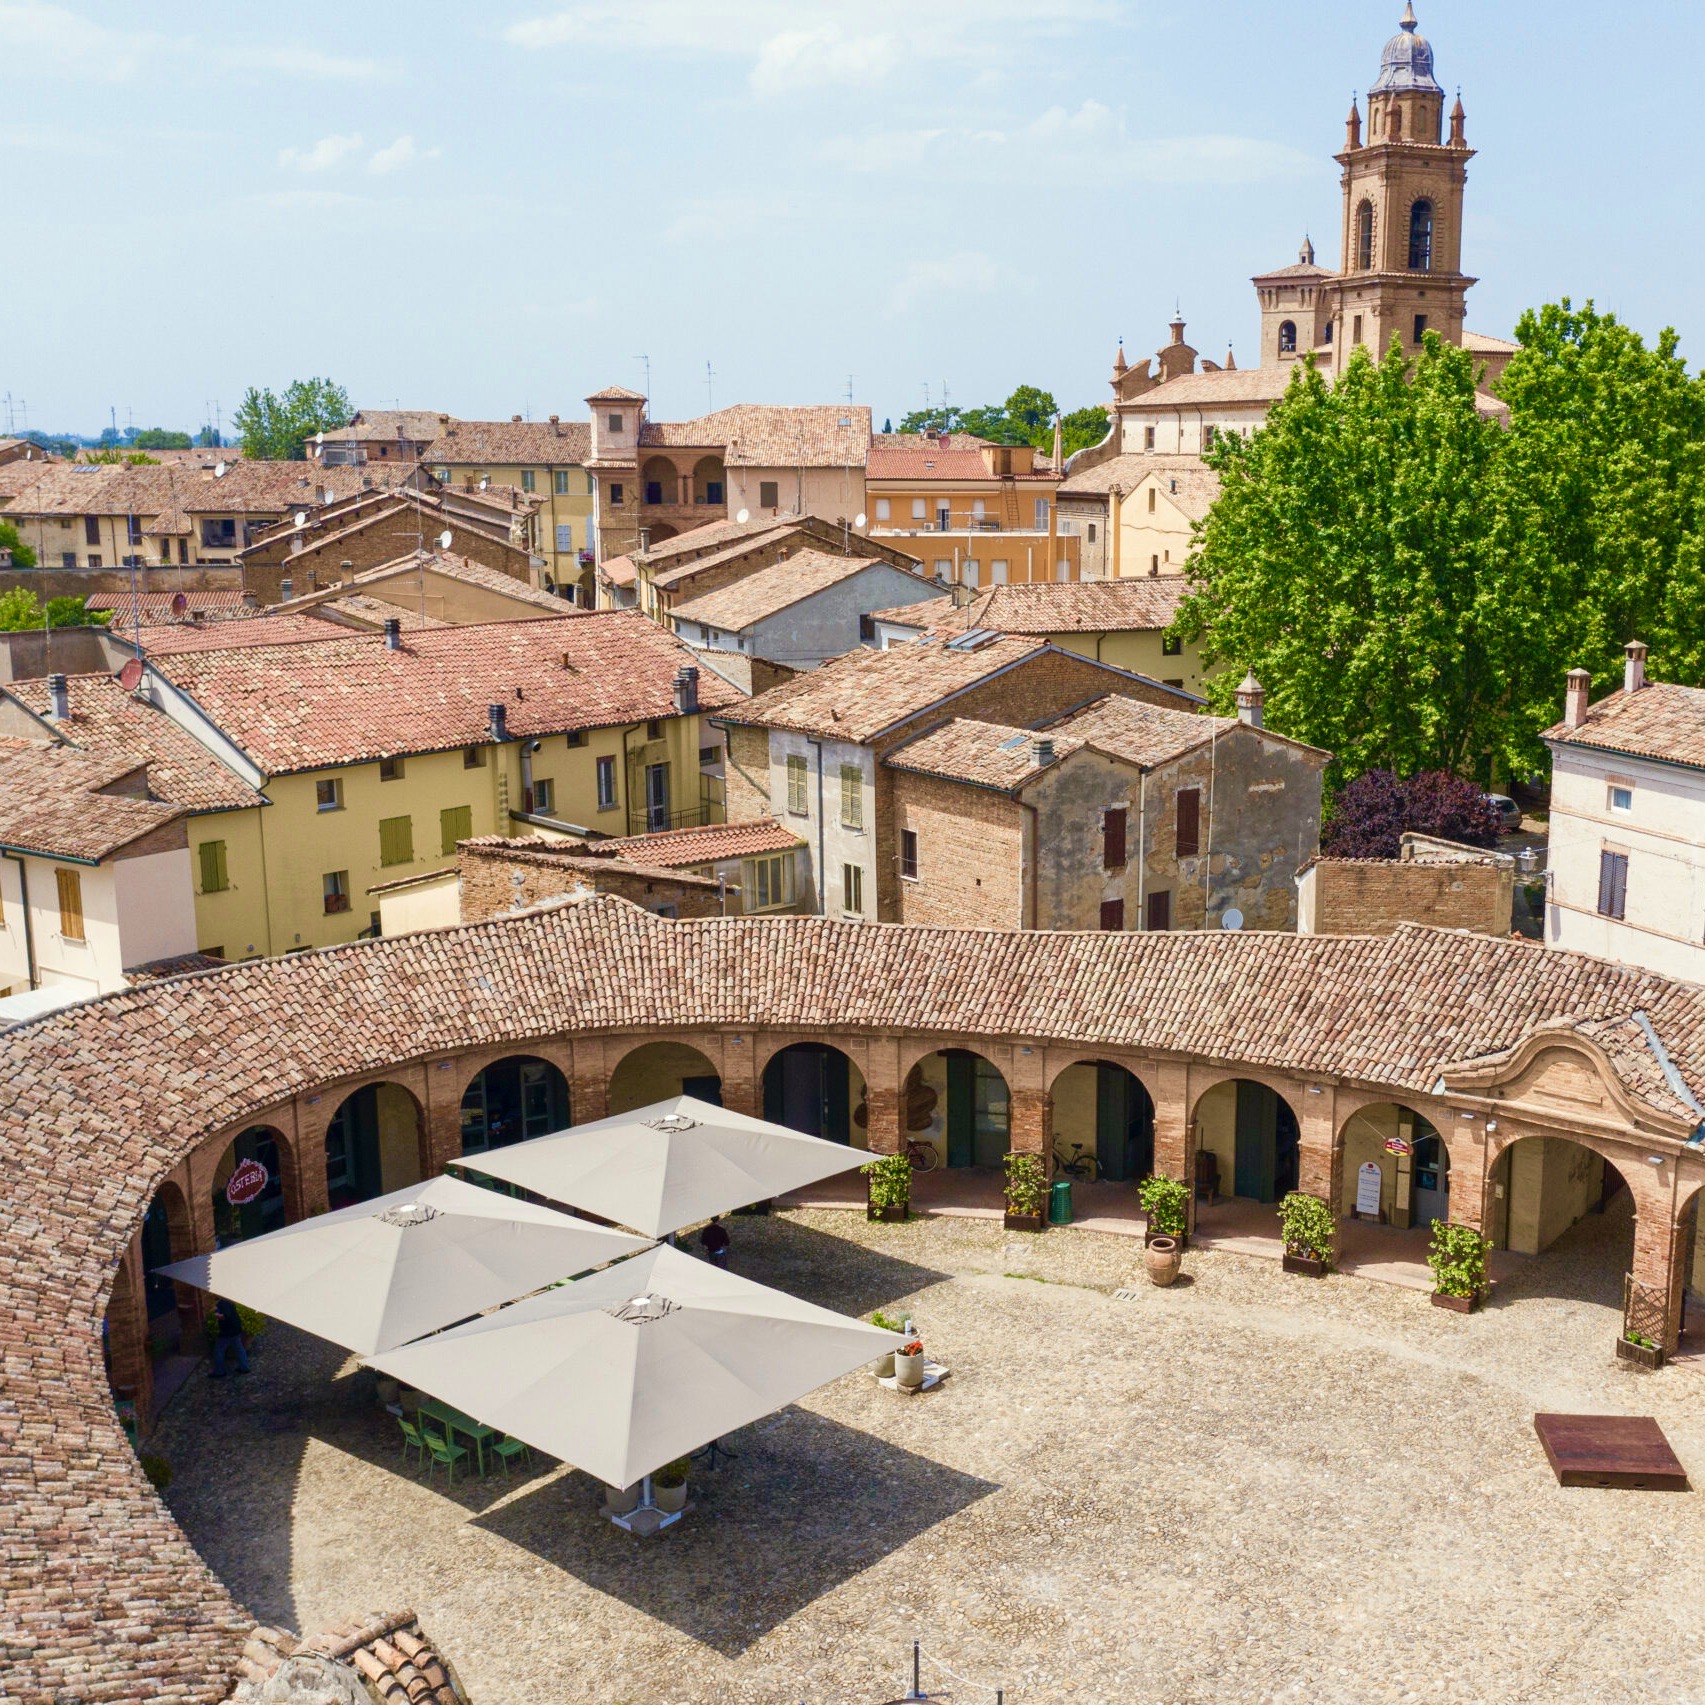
[[23, 556], [1369, 816], [276, 428], [21, 609], [1346, 563], [1026, 417], [160, 438]]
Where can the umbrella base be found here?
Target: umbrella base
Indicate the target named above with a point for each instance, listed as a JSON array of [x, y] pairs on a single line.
[[647, 1520]]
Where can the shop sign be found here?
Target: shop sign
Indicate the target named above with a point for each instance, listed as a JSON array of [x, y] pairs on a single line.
[[1368, 1180], [246, 1183], [1397, 1145]]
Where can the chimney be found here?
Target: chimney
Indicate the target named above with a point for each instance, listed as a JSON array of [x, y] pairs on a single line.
[[514, 420], [393, 633], [644, 540], [1043, 751], [497, 722], [284, 590], [1251, 702], [556, 424], [60, 696], [687, 690], [1634, 666], [1580, 684]]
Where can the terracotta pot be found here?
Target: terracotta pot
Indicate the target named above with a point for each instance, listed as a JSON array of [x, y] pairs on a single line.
[[1161, 1260], [909, 1371], [622, 1502], [671, 1500]]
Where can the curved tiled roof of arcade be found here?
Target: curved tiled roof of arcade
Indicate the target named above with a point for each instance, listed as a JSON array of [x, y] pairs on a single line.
[[101, 1596]]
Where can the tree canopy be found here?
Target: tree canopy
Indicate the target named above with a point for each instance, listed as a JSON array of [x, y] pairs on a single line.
[[1370, 816], [276, 428], [23, 556], [1026, 417], [159, 438], [20, 609]]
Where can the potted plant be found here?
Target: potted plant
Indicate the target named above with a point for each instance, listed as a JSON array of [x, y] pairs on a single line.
[[622, 1500], [1639, 1349], [885, 1362], [1458, 1260], [1307, 1227], [1167, 1204], [669, 1486], [1026, 1192], [889, 1183], [909, 1364]]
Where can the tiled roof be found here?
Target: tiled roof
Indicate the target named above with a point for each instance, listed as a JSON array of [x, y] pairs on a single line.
[[374, 423], [352, 699], [781, 585], [714, 535], [174, 639], [452, 566], [1052, 606], [762, 435], [673, 847], [1481, 344], [1126, 471], [165, 496], [105, 1600], [616, 394], [1297, 269], [180, 965], [619, 570], [1661, 721], [106, 719], [927, 460], [155, 608], [383, 1657], [1140, 734], [396, 520], [482, 443], [990, 754], [591, 858], [357, 610], [52, 801], [1222, 385], [672, 572], [910, 440]]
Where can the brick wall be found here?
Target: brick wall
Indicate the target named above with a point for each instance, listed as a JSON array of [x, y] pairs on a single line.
[[384, 540], [747, 775], [970, 854], [1374, 896], [493, 883]]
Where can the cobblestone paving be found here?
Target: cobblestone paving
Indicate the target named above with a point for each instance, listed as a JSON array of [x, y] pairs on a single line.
[[1251, 1487]]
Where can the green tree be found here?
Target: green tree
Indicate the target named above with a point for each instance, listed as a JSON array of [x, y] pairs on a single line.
[[114, 457], [20, 609], [932, 420], [158, 438], [1345, 561], [23, 556], [276, 428], [1030, 416], [207, 439], [1083, 427]]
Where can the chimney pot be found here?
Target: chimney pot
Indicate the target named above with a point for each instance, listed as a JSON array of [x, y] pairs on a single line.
[[1252, 702], [393, 633], [514, 420], [284, 590], [497, 721], [1634, 666], [60, 696], [1043, 750], [1580, 684], [346, 571], [687, 689]]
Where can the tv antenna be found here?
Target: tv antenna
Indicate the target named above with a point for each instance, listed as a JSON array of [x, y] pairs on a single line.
[[709, 402], [647, 360], [849, 387]]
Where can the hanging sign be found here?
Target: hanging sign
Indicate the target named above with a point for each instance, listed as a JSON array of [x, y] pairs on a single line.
[[246, 1183], [1397, 1145], [1368, 1180]]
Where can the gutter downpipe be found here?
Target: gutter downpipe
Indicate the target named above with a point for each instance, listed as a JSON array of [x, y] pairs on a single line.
[[1035, 852], [822, 874], [1142, 845], [29, 933]]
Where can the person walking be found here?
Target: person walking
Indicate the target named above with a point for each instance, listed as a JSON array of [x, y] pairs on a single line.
[[230, 1333], [714, 1240]]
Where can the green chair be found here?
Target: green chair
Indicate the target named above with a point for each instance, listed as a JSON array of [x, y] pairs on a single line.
[[507, 1449], [441, 1451], [412, 1439]]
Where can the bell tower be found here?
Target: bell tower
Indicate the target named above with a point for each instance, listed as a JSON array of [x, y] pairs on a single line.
[[1401, 272]]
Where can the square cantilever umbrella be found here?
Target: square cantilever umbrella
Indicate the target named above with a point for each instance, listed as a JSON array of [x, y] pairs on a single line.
[[630, 1368], [382, 1272], [668, 1165]]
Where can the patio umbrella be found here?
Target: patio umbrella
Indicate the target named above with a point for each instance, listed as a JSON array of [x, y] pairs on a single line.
[[668, 1165], [385, 1271], [627, 1369]]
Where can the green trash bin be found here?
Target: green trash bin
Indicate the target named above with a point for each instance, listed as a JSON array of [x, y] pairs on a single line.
[[1060, 1202]]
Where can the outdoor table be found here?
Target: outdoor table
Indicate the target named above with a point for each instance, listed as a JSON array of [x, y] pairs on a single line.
[[454, 1421]]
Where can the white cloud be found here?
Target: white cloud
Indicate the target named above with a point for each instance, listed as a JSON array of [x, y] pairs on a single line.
[[969, 272], [400, 153], [809, 59], [329, 151], [35, 34]]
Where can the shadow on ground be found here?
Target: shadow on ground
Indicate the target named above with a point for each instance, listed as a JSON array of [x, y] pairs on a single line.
[[806, 1505], [1586, 1264], [829, 1271]]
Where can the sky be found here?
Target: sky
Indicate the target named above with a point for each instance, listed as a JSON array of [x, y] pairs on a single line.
[[498, 208]]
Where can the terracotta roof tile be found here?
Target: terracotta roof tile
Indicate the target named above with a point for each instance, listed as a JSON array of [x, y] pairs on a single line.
[[1046, 607], [240, 634], [510, 443], [53, 801], [702, 845], [765, 591], [762, 435], [1661, 721], [453, 566], [1127, 471]]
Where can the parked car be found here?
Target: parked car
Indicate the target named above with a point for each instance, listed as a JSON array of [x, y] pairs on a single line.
[[1509, 813]]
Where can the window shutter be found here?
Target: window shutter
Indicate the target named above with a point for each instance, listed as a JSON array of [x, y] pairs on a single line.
[[70, 904], [213, 878], [455, 824], [1189, 821], [1612, 884], [1113, 838], [1112, 914], [396, 840], [1160, 910]]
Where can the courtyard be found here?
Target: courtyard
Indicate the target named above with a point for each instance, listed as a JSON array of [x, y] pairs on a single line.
[[1249, 1487]]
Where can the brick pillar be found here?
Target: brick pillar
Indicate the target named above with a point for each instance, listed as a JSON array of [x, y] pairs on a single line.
[[883, 1129], [1174, 1132], [740, 1091], [1660, 1257], [1320, 1150], [588, 1082], [127, 1332], [310, 1146], [1032, 1122], [1471, 1161], [443, 1134]]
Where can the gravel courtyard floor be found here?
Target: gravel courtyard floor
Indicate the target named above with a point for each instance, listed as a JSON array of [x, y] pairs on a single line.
[[1250, 1487]]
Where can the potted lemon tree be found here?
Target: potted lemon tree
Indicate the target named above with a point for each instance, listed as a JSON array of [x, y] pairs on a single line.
[[1026, 1192], [888, 1181], [1309, 1233], [1167, 1204]]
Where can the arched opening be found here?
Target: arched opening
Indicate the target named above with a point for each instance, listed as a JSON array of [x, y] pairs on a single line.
[[1287, 337], [1540, 1188], [1248, 1143], [658, 481], [656, 1071], [248, 1202], [1364, 236], [511, 1100], [815, 1088], [1102, 1109], [1396, 1168], [167, 1235], [969, 1122], [709, 481], [1421, 237], [661, 530], [373, 1145]]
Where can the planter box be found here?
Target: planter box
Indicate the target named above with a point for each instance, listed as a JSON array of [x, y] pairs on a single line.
[[1457, 1305], [1181, 1238], [1025, 1222], [1639, 1355], [888, 1216], [1312, 1265]]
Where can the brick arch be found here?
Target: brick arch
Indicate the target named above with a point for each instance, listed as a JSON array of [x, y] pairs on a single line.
[[1142, 1070], [767, 1044], [201, 1180], [708, 1048], [1618, 1155], [447, 1116], [1462, 1155], [1288, 1089], [998, 1054], [332, 1102]]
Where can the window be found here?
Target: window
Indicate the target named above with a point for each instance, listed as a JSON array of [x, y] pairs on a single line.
[[852, 797], [1621, 798], [1041, 515], [976, 509], [1612, 884], [1112, 914], [769, 494], [654, 491], [709, 757], [1287, 337], [527, 479], [616, 497], [91, 529], [606, 784], [575, 737], [714, 491], [614, 422], [94, 559], [1326, 336], [866, 629], [920, 509], [1113, 838], [1154, 565], [70, 904], [1171, 645], [559, 482], [909, 854], [473, 757], [1160, 910], [133, 529], [882, 509], [544, 796], [455, 823], [390, 769], [768, 883], [441, 474], [943, 517], [1148, 437], [852, 890], [396, 840], [1420, 329], [1356, 329], [213, 876], [1092, 532], [334, 887], [1189, 822], [1364, 238], [1209, 434], [328, 795], [798, 801], [944, 568], [997, 571], [1421, 237]]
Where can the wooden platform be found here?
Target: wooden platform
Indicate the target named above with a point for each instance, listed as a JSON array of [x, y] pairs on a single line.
[[1610, 1450]]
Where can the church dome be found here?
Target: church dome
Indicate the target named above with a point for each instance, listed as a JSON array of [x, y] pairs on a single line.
[[1407, 63]]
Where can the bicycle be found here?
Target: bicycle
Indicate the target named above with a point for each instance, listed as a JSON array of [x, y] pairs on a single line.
[[1077, 1164], [922, 1155]]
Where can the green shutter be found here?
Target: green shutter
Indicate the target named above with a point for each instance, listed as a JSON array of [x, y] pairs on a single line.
[[456, 824], [396, 840], [213, 877]]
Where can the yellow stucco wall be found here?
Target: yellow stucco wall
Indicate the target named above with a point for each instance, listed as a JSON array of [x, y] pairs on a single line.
[[1142, 653], [232, 922], [573, 508]]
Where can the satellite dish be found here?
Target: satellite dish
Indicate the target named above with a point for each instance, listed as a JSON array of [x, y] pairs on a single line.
[[744, 515], [444, 540], [319, 438], [219, 470], [130, 676], [179, 603], [1232, 920], [858, 520], [301, 517]]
